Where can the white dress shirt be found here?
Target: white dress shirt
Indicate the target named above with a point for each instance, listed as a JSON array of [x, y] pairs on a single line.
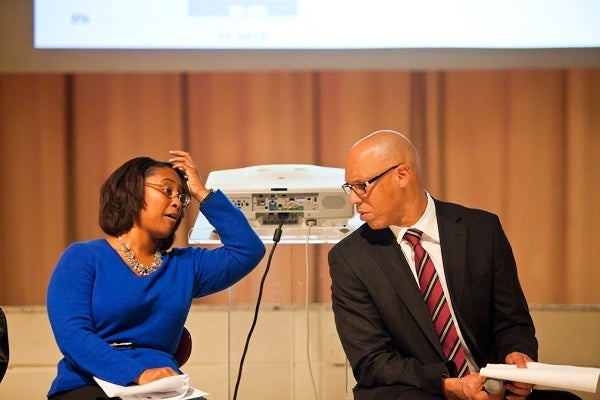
[[430, 241]]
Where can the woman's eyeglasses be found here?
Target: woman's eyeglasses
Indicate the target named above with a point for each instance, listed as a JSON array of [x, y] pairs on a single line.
[[167, 191]]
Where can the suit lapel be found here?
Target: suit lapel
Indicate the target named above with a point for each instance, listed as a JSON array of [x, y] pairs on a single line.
[[390, 258], [453, 240]]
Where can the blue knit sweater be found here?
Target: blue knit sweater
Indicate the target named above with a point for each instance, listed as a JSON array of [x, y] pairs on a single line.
[[94, 299]]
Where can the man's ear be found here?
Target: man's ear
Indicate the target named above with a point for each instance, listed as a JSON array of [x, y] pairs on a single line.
[[402, 173]]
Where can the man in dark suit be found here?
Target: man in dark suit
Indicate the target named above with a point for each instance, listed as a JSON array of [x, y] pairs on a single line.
[[380, 313]]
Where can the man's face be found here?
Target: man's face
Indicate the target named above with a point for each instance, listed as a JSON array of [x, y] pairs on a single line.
[[378, 205]]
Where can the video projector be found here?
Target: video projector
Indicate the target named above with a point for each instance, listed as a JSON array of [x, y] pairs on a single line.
[[308, 198]]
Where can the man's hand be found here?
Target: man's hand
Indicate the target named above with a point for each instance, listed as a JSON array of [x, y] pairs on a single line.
[[518, 390], [469, 387]]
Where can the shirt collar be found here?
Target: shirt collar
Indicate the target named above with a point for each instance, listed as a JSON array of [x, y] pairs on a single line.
[[427, 224]]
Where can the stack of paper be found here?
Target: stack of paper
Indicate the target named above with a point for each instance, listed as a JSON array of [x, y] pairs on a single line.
[[171, 388], [585, 379]]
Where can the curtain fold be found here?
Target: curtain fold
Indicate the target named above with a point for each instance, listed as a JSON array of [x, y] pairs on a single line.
[[524, 144]]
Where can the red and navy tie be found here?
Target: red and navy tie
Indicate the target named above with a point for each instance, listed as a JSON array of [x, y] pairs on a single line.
[[432, 291]]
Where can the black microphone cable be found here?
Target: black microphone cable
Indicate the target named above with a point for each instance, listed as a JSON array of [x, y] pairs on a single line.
[[276, 238]]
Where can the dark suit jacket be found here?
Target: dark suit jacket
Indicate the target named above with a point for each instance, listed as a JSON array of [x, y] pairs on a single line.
[[381, 317]]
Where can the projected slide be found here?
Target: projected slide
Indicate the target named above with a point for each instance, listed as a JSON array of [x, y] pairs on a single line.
[[315, 24]]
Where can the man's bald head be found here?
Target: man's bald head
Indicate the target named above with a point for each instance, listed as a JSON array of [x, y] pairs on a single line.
[[382, 149], [386, 164]]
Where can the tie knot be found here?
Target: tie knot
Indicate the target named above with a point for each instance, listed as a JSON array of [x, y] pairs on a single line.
[[413, 236]]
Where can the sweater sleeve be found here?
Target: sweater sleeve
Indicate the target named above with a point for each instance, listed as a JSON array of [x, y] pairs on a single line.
[[240, 253]]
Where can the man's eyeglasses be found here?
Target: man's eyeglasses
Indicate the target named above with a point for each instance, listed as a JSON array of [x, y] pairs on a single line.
[[167, 191], [361, 188]]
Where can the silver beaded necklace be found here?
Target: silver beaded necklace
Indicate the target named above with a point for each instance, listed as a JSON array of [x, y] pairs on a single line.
[[137, 266]]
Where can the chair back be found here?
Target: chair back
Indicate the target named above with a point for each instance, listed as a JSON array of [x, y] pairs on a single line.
[[184, 349]]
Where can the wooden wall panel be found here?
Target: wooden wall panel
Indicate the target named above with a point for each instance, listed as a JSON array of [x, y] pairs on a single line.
[[582, 187], [513, 134], [353, 104], [117, 117], [534, 180], [34, 190], [244, 119], [475, 135], [432, 147], [523, 144]]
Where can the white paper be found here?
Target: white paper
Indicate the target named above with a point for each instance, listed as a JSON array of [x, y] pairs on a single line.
[[171, 388], [568, 377]]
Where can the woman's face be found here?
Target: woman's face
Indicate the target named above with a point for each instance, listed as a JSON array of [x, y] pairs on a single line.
[[163, 207]]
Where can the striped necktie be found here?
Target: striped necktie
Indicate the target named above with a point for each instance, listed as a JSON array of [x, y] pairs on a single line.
[[432, 291]]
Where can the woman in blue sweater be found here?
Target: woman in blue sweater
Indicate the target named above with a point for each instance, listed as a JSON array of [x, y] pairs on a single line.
[[130, 288]]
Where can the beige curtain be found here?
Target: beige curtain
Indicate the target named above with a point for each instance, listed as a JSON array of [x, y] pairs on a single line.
[[524, 144]]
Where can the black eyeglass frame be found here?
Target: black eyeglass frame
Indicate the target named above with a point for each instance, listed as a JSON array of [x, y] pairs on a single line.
[[183, 198], [361, 188]]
